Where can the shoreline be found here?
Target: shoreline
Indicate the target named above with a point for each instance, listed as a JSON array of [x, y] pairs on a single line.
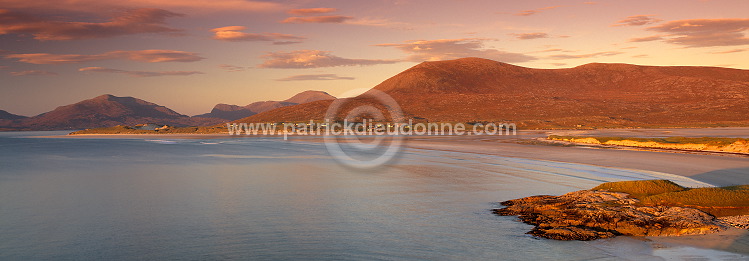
[[712, 169], [719, 170]]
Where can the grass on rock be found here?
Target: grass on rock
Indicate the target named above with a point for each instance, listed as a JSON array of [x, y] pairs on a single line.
[[723, 201]]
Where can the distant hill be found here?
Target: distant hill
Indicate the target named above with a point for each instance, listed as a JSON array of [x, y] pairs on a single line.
[[4, 115], [234, 112], [9, 120], [591, 95], [227, 112], [309, 96], [106, 111]]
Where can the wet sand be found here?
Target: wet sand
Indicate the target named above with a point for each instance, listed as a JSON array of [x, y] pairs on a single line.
[[718, 170]]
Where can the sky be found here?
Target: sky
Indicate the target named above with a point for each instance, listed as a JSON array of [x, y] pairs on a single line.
[[190, 55]]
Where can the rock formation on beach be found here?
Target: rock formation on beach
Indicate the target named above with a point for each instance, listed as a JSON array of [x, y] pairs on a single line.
[[589, 215]]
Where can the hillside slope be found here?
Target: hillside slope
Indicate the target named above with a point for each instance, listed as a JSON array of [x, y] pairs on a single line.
[[592, 95]]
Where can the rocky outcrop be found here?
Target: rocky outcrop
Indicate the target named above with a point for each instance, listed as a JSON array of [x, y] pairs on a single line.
[[736, 221], [589, 215]]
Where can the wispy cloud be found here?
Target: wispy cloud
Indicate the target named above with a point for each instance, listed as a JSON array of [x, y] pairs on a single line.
[[311, 11], [732, 51], [380, 22], [307, 16], [637, 20], [646, 39], [33, 72], [315, 77], [138, 73], [551, 50], [581, 56], [336, 19], [232, 68], [234, 34], [529, 36], [447, 49], [705, 32], [313, 59], [137, 21], [96, 6], [148, 56], [536, 11]]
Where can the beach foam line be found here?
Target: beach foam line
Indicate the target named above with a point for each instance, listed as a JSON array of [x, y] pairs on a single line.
[[581, 172], [227, 156]]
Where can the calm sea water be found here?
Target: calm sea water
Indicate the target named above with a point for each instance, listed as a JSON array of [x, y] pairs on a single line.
[[265, 198]]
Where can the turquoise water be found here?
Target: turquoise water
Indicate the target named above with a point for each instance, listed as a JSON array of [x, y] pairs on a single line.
[[270, 199]]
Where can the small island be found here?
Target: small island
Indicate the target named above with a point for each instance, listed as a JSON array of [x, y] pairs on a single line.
[[633, 208]]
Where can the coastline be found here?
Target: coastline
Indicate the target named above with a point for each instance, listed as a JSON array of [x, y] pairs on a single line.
[[718, 170], [712, 169]]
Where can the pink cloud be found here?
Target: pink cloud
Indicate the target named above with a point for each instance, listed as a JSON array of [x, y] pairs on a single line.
[[448, 49], [95, 6], [529, 36], [313, 59], [637, 20], [148, 56], [315, 77], [138, 73], [317, 19], [705, 32], [232, 68], [733, 51], [550, 50], [234, 34], [582, 56], [33, 72], [311, 11], [646, 39], [536, 11], [136, 21]]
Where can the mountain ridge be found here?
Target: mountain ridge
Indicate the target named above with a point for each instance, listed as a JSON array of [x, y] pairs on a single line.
[[591, 95], [234, 112], [106, 111]]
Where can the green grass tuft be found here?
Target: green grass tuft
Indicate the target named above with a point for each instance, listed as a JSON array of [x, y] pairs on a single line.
[[641, 188], [725, 201], [708, 197]]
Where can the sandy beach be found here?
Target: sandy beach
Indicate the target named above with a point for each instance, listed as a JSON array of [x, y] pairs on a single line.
[[719, 170]]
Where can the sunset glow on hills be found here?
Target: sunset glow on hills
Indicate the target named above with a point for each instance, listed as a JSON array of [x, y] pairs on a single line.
[[192, 55]]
